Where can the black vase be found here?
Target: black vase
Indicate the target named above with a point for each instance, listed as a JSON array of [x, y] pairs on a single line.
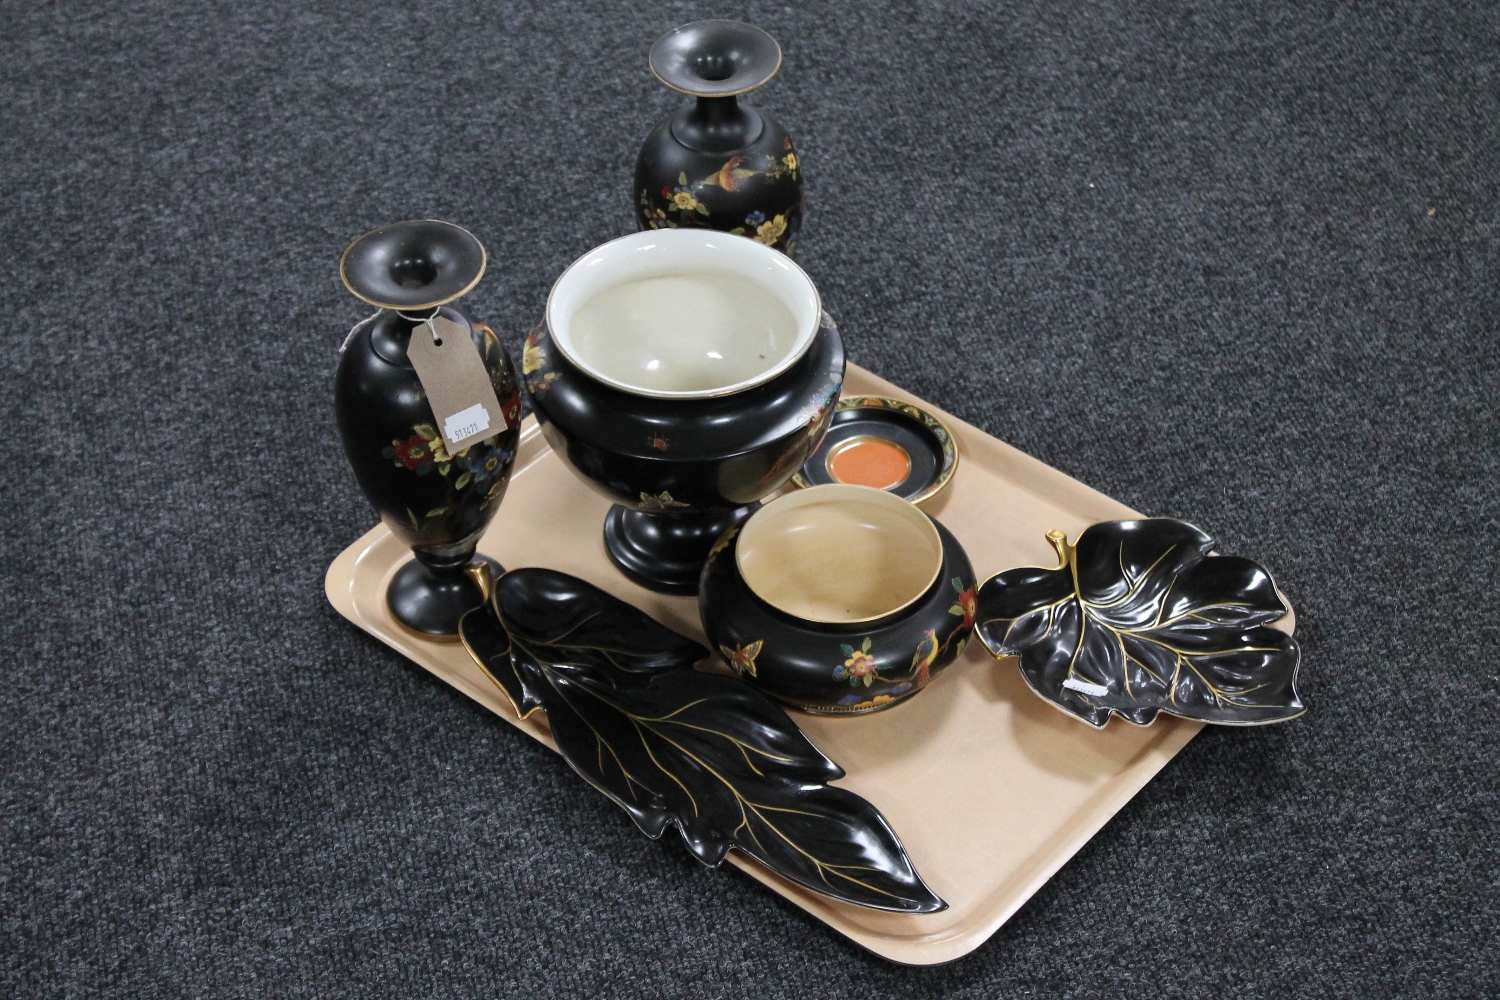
[[439, 504], [719, 164]]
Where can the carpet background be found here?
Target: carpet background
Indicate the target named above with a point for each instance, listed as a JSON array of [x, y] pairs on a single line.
[[1232, 262]]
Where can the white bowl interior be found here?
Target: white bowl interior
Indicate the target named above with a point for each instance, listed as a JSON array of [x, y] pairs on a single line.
[[839, 554], [683, 313]]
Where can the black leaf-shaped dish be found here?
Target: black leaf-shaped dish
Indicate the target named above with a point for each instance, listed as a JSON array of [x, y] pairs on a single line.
[[1138, 619], [674, 746]]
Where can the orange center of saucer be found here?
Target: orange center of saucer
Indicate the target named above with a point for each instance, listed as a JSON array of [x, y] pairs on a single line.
[[870, 462]]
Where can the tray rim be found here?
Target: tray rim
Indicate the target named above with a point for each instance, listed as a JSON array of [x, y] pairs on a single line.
[[934, 948]]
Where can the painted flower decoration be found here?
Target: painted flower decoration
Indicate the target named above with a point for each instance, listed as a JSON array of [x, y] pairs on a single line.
[[859, 667], [485, 461], [434, 442], [742, 658], [681, 198], [413, 453], [511, 410], [790, 160], [531, 356], [755, 218], [968, 602], [464, 474], [769, 232]]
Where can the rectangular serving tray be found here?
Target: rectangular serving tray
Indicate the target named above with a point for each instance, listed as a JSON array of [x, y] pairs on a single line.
[[991, 789]]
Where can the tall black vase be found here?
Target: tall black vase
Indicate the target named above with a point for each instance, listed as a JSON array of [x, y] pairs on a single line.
[[437, 503], [719, 163]]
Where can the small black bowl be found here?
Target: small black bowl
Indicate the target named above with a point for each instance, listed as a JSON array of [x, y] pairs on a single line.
[[838, 599]]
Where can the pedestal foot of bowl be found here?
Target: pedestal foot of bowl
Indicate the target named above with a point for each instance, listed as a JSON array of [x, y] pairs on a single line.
[[665, 552]]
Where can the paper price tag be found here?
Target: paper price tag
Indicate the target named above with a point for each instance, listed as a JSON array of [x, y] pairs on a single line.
[[458, 387]]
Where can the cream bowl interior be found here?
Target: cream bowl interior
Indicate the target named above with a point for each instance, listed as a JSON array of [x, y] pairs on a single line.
[[839, 554], [683, 313]]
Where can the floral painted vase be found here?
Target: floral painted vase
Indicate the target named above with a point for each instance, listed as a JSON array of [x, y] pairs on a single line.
[[719, 163], [437, 503]]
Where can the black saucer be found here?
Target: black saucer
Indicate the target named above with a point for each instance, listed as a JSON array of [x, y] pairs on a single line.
[[926, 441]]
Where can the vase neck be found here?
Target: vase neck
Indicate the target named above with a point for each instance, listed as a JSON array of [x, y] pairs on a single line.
[[390, 334], [717, 125]]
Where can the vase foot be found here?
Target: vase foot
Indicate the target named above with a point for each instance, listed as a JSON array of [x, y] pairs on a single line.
[[664, 552], [429, 604]]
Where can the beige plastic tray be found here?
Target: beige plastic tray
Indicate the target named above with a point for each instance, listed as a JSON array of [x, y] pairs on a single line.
[[990, 788]]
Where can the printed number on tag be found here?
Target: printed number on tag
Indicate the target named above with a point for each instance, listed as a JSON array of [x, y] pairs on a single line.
[[466, 423]]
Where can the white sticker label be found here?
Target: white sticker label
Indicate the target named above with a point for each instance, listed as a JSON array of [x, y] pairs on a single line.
[[1084, 687], [466, 423]]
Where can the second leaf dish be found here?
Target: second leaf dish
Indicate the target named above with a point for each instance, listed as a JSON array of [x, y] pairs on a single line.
[[1139, 618]]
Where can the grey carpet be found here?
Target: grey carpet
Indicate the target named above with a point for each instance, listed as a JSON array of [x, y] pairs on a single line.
[[1231, 262]]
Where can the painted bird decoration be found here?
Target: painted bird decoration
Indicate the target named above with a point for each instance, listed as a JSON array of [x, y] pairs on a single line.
[[730, 174], [922, 660]]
